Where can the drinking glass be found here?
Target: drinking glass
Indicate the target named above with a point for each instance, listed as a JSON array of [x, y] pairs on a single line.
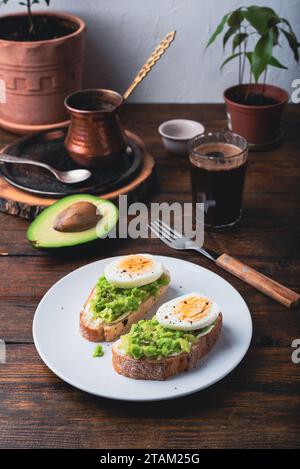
[[218, 168]]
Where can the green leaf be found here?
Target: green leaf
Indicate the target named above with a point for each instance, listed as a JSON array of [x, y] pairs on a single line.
[[274, 21], [275, 35], [286, 22], [238, 40], [262, 54], [275, 63], [249, 57], [235, 19], [259, 17], [290, 28], [218, 30], [269, 13], [233, 56], [228, 35], [293, 43]]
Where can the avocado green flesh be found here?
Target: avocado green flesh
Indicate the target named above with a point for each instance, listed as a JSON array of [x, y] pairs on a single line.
[[41, 233], [98, 351], [149, 339], [110, 302]]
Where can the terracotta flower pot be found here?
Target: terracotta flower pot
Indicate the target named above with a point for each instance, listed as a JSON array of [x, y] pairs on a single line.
[[38, 75], [259, 124]]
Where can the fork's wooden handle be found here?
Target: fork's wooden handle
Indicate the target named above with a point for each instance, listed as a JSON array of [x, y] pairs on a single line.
[[264, 284]]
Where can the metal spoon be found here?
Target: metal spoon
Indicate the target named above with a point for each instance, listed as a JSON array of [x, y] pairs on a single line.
[[68, 177]]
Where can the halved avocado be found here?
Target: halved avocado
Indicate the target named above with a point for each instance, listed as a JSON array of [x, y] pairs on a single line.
[[42, 234]]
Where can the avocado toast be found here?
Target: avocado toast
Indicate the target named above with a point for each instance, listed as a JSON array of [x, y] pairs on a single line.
[[129, 288], [153, 350]]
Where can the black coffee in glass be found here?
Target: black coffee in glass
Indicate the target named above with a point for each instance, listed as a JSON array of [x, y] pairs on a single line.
[[218, 166]]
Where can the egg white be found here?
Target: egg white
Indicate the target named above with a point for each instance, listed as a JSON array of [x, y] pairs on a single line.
[[126, 279], [166, 316]]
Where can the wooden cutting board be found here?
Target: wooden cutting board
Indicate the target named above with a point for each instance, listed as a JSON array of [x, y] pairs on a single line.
[[23, 204]]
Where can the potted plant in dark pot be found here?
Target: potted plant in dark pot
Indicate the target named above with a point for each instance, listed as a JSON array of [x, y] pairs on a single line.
[[41, 58], [254, 109]]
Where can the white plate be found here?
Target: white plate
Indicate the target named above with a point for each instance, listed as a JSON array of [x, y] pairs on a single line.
[[60, 345]]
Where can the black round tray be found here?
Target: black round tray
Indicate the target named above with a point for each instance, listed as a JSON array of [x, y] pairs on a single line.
[[48, 147]]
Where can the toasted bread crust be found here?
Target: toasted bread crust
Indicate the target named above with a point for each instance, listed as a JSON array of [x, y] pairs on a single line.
[[90, 330], [96, 331], [164, 368]]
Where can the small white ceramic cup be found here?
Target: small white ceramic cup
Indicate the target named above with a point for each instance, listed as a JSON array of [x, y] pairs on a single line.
[[177, 133]]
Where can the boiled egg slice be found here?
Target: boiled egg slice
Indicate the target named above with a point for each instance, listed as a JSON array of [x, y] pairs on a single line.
[[188, 312], [134, 270]]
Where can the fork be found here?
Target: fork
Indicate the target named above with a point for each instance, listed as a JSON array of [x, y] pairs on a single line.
[[252, 277]]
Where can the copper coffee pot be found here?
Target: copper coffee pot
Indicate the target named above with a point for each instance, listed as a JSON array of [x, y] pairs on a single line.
[[95, 136]]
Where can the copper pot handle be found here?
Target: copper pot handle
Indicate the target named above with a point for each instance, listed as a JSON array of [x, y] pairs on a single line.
[[154, 57]]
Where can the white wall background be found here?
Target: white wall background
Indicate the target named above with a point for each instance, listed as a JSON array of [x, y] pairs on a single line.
[[122, 33]]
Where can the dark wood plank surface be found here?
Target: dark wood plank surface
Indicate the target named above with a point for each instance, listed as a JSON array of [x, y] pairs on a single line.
[[257, 405]]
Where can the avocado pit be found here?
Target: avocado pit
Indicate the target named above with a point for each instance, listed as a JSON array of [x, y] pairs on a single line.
[[77, 217]]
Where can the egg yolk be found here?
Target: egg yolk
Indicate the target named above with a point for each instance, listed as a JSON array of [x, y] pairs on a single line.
[[135, 264], [192, 308]]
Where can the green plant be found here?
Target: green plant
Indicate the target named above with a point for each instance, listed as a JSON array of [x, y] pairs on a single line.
[[260, 27], [28, 4]]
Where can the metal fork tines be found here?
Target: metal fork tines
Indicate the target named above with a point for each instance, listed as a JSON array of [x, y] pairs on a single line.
[[168, 235], [175, 240]]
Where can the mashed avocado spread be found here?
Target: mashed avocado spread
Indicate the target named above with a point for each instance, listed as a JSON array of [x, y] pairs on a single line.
[[111, 302], [98, 351], [148, 338]]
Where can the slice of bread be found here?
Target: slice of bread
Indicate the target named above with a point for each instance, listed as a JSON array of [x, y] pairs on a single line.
[[163, 368], [96, 330]]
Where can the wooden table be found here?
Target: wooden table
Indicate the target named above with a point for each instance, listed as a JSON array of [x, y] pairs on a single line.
[[257, 405]]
